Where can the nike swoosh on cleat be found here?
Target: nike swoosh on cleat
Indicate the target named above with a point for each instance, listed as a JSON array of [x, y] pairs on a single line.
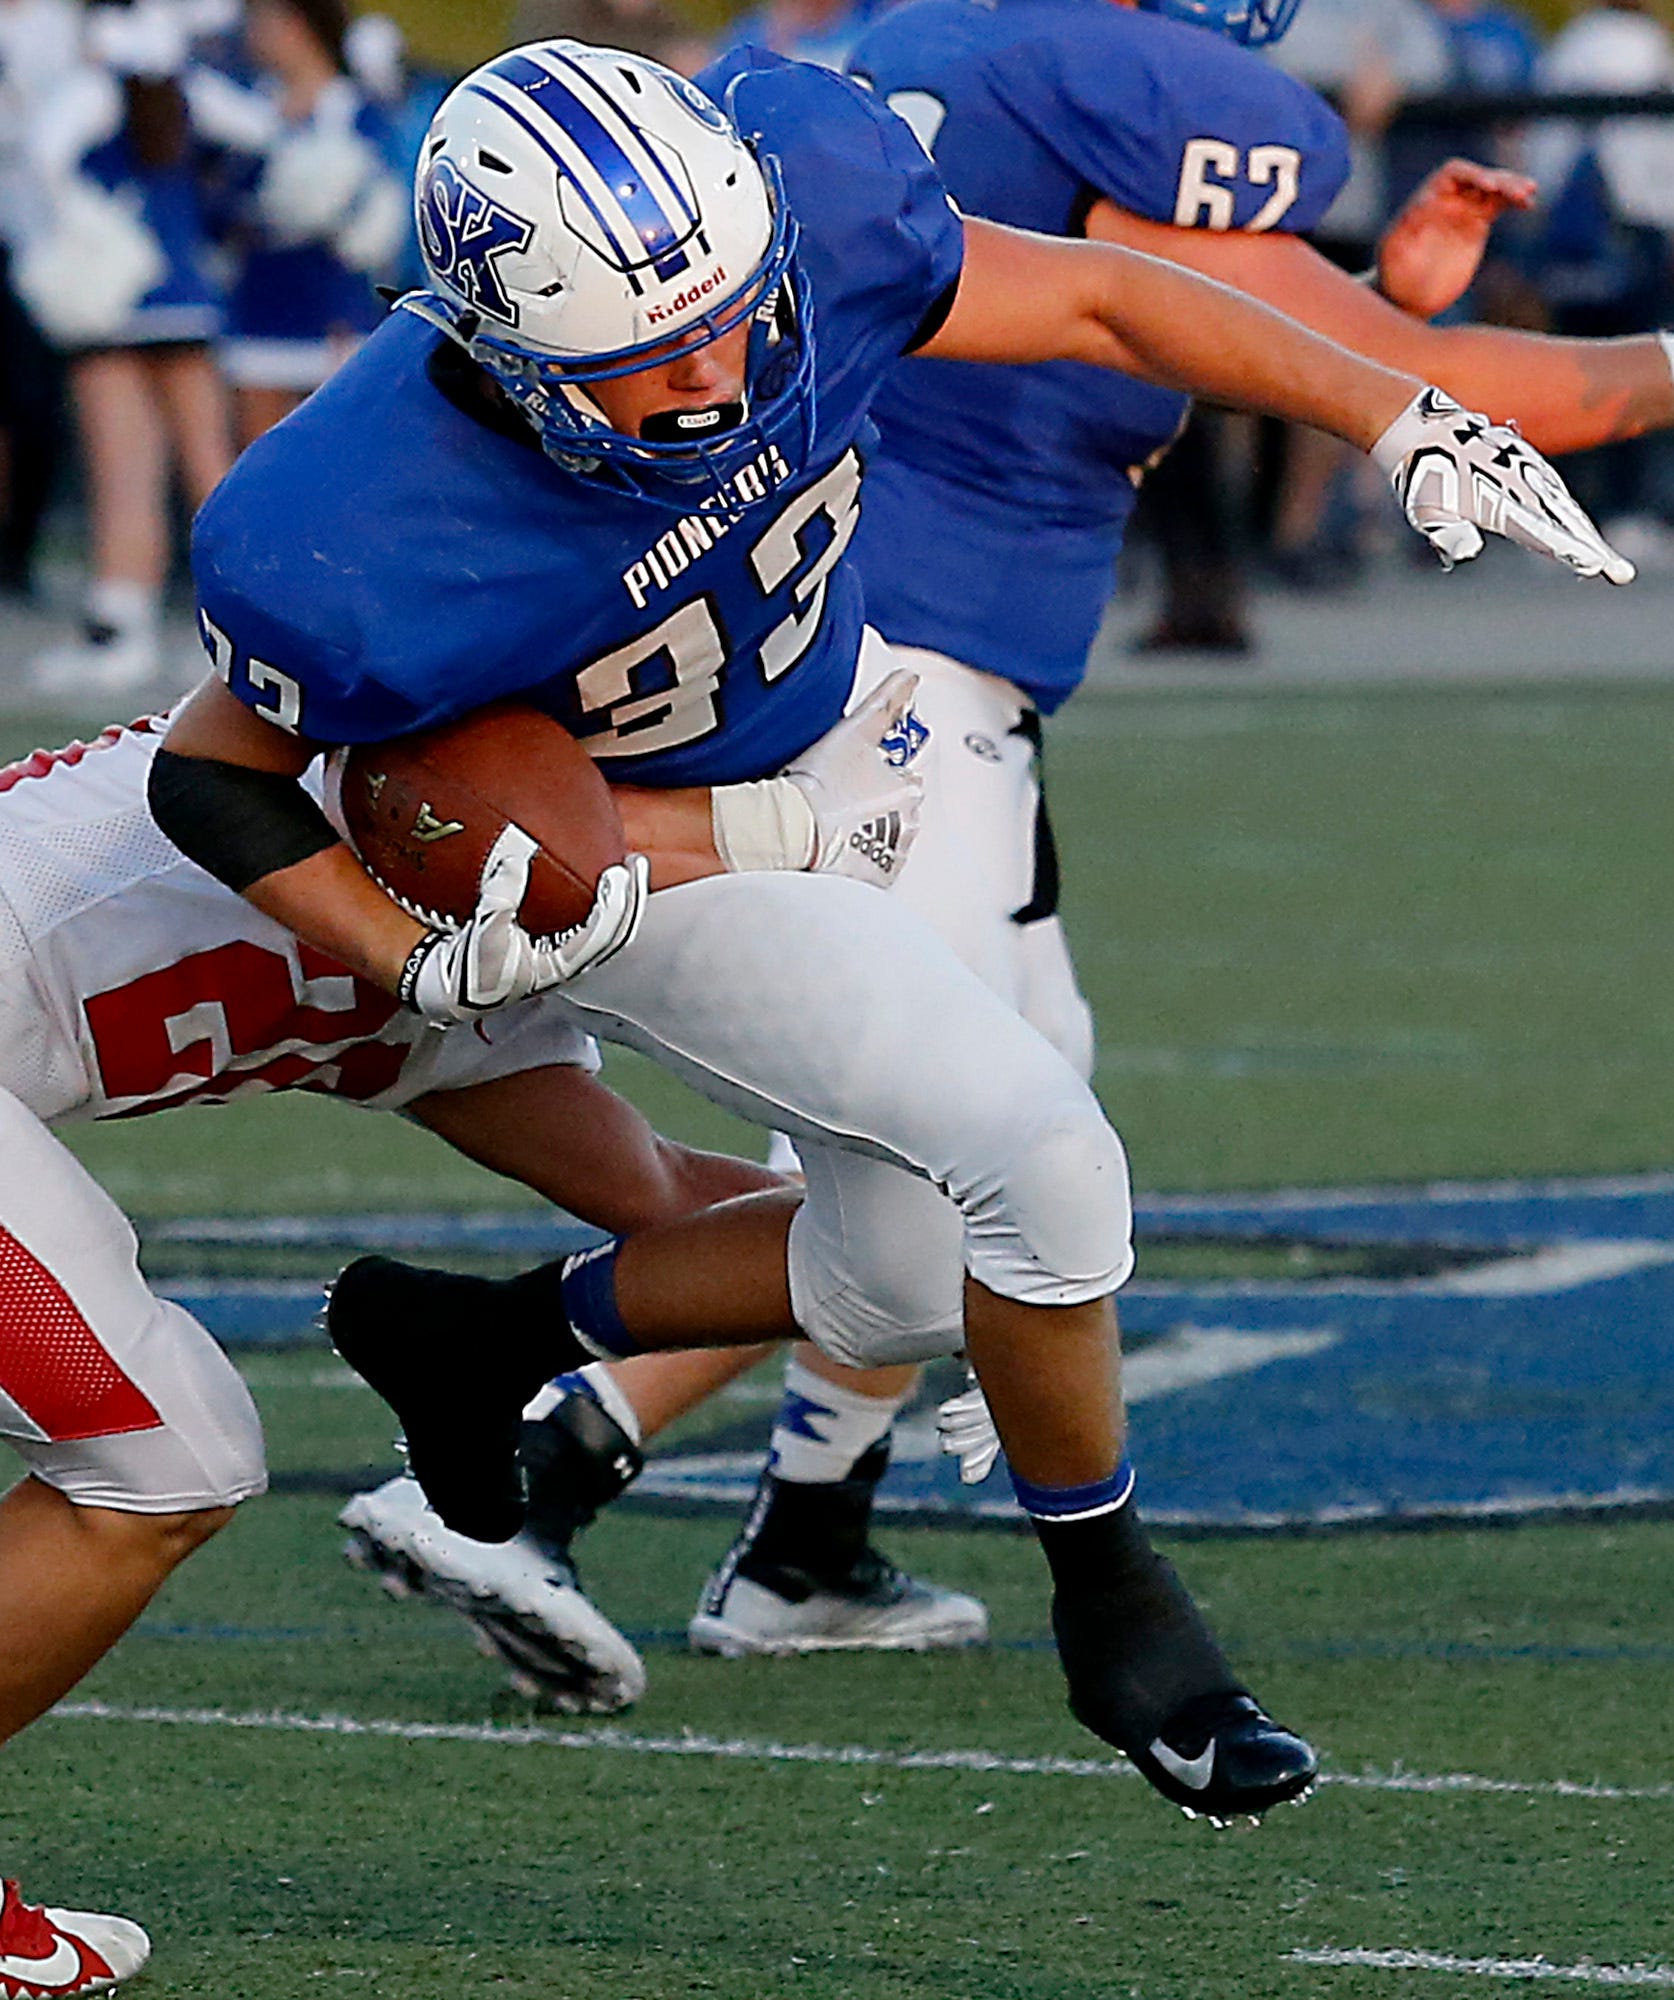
[[1194, 1771], [57, 1970]]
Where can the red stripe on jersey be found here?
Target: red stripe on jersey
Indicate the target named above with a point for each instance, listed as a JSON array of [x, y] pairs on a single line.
[[39, 762], [51, 1362]]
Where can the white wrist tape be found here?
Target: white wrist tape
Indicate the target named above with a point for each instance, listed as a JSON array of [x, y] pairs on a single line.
[[765, 825], [1666, 342]]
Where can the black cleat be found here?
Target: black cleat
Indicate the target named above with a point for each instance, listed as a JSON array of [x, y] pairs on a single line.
[[1221, 1758], [803, 1577], [576, 1460], [456, 1360]]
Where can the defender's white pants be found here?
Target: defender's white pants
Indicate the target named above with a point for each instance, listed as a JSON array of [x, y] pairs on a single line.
[[112, 1395]]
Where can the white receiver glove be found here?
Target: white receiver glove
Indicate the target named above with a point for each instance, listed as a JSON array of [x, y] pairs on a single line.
[[492, 960], [967, 1432], [848, 806], [1455, 474]]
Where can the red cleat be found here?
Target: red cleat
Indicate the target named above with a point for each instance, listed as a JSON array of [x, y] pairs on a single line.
[[60, 1954]]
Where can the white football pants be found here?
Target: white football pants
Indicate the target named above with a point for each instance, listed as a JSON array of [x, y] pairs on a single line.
[[976, 865], [939, 1132]]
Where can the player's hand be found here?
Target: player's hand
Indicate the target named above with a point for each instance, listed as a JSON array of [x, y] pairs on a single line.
[[1429, 255], [861, 786], [492, 960], [966, 1429], [1457, 474]]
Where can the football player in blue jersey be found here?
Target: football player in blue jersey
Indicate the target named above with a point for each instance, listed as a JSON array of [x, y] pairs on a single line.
[[609, 463], [1129, 124]]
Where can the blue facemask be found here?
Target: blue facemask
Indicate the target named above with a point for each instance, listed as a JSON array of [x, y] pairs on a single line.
[[1252, 22]]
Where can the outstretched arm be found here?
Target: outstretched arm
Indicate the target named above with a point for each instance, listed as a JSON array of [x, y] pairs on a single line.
[[1024, 297], [1566, 395], [1037, 298]]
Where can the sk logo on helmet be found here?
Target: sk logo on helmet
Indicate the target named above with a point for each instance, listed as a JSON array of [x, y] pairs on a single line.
[[465, 234]]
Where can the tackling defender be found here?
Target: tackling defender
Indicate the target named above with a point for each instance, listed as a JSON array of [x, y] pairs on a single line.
[[610, 462], [1102, 119], [132, 982]]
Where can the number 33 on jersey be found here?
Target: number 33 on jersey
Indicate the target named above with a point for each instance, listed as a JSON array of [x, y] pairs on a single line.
[[392, 556]]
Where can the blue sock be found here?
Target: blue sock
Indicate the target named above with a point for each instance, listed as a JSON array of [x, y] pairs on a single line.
[[588, 1284], [1075, 1503]]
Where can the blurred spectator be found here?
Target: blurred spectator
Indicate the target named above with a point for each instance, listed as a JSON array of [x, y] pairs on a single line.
[[39, 44], [643, 27], [409, 98], [328, 216], [1602, 260], [1486, 49], [118, 278], [816, 31], [1188, 507], [1369, 56]]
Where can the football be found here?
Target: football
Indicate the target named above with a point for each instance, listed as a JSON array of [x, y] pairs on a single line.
[[423, 812]]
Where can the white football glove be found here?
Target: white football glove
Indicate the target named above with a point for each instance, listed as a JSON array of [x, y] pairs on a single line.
[[848, 806], [492, 960], [861, 786], [967, 1433], [1456, 473]]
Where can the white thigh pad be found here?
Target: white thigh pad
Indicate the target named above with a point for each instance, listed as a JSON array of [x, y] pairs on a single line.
[[876, 1262], [827, 1010]]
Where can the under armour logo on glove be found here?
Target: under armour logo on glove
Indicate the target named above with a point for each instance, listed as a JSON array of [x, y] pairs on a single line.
[[1456, 474]]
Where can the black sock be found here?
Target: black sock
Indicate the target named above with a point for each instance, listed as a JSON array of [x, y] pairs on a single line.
[[1135, 1648]]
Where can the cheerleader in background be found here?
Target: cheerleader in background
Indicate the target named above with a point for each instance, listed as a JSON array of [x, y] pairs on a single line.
[[119, 279], [40, 43], [327, 218]]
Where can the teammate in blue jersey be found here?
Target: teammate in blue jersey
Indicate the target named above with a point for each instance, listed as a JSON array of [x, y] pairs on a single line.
[[609, 463], [995, 505]]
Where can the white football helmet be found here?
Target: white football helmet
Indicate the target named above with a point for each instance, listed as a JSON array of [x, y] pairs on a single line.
[[583, 213]]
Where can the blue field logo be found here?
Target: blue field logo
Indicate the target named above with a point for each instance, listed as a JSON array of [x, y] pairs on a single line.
[[1510, 1355], [465, 234], [1472, 1354]]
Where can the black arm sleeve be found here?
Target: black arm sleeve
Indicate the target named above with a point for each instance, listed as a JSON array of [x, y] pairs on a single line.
[[236, 824]]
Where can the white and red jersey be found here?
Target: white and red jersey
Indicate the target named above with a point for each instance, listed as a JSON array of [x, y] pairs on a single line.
[[131, 981]]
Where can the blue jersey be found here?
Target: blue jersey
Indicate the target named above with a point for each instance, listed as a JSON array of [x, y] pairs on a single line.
[[998, 501], [383, 560]]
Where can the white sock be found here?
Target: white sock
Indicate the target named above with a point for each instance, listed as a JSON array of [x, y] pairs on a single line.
[[822, 1429], [605, 1390]]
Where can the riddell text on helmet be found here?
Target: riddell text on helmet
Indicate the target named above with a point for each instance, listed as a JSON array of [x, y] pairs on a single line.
[[688, 297]]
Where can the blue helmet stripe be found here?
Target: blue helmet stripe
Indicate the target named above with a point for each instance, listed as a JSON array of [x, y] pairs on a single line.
[[556, 158], [658, 239]]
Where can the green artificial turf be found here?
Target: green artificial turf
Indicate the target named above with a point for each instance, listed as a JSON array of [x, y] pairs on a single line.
[[1331, 937], [268, 1860]]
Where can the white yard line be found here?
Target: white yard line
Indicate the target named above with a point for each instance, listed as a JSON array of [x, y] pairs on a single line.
[[753, 1750], [1584, 1974]]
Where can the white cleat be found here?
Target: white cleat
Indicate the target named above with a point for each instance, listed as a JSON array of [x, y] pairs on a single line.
[[885, 1611], [48, 1954], [523, 1602]]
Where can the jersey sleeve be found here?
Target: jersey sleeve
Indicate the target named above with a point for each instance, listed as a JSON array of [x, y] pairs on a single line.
[[312, 676], [879, 230], [1175, 124]]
